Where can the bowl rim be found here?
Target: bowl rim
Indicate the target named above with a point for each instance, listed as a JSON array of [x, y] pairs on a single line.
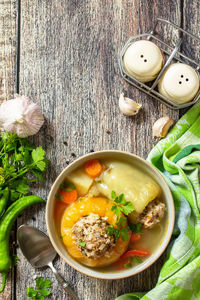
[[164, 242]]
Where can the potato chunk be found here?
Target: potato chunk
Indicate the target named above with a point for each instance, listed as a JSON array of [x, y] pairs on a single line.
[[124, 178], [81, 181]]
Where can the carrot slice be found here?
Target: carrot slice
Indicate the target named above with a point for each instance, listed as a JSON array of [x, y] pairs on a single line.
[[139, 252], [93, 168], [69, 196], [135, 237]]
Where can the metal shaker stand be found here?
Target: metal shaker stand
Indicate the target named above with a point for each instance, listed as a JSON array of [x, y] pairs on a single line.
[[173, 53]]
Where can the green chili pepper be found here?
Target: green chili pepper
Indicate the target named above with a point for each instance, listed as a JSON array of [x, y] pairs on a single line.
[[6, 223], [4, 200]]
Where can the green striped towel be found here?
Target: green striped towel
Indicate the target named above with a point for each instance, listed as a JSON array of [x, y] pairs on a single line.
[[177, 157]]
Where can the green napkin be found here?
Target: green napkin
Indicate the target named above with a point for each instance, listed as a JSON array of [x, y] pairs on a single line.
[[177, 157]]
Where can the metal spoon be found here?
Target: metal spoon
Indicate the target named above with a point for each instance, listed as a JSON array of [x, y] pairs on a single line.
[[38, 250]]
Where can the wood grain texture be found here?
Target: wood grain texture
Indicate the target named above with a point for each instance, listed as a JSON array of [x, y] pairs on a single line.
[[8, 47], [68, 64], [8, 40], [191, 23]]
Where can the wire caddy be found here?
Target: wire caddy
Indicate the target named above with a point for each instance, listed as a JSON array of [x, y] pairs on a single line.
[[173, 53]]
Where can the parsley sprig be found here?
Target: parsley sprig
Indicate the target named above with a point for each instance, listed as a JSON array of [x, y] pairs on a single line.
[[82, 244], [133, 259], [136, 228], [41, 291], [120, 207], [20, 164]]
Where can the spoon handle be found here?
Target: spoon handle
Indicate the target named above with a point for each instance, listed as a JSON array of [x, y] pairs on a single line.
[[63, 283]]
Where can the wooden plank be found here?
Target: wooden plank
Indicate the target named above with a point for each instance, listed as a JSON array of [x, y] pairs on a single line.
[[69, 65], [190, 22], [8, 42]]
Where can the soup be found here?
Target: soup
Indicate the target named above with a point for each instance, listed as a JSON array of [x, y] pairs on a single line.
[[110, 214]]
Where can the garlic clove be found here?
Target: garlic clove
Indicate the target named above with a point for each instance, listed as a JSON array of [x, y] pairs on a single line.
[[128, 106], [21, 116], [162, 126]]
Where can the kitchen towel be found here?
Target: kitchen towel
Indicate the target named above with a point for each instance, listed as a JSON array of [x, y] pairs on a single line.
[[177, 157]]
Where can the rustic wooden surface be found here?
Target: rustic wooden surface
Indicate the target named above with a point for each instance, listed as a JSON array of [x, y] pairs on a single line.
[[8, 81], [63, 54]]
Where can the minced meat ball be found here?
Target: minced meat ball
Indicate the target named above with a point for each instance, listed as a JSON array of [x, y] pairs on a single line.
[[91, 236], [152, 214]]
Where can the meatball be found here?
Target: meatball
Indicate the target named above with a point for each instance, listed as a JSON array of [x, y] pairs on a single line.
[[91, 236], [152, 214]]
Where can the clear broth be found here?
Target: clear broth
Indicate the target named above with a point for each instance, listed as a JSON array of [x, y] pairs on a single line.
[[151, 239]]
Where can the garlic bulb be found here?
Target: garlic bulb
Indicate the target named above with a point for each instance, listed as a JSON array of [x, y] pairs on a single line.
[[128, 106], [162, 126], [21, 116]]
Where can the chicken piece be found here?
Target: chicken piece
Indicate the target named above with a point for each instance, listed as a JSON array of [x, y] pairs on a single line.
[[152, 214]]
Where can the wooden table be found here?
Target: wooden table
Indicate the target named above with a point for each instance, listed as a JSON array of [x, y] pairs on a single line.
[[63, 54]]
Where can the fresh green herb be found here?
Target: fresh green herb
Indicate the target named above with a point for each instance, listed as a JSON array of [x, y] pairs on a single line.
[[124, 233], [111, 230], [67, 186], [136, 228], [127, 208], [121, 222], [61, 237], [82, 244], [120, 207], [128, 265], [20, 164], [41, 291], [113, 195], [38, 158], [99, 181], [131, 260], [136, 259]]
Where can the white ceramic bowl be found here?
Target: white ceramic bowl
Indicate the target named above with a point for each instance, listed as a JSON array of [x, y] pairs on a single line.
[[53, 231]]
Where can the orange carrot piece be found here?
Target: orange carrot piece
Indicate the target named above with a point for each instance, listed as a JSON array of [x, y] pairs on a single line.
[[93, 168], [69, 196], [138, 252], [135, 237]]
